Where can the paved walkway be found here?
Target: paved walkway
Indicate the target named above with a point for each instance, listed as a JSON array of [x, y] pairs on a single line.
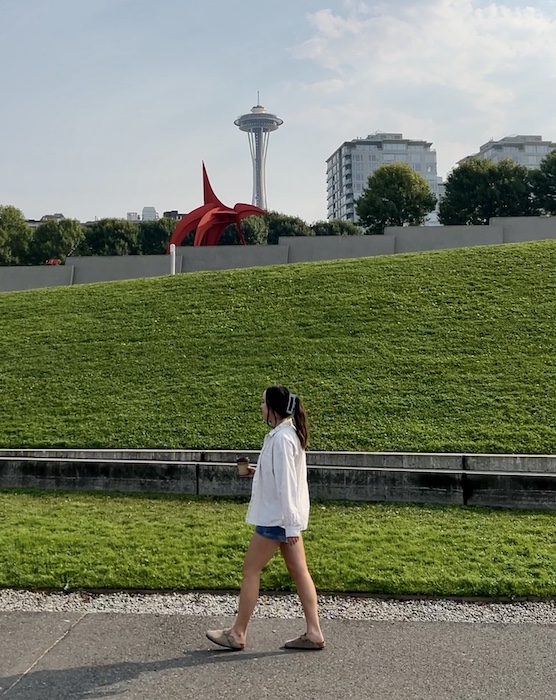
[[73, 656]]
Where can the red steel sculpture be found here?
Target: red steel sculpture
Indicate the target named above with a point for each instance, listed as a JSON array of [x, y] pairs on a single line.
[[210, 220]]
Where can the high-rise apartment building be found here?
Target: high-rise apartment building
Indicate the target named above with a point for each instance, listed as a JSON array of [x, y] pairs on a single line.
[[348, 169], [526, 150]]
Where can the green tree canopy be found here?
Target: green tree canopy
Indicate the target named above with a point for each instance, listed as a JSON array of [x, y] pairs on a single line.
[[479, 189], [15, 236], [57, 239], [111, 237], [395, 196], [284, 225], [255, 230], [154, 236], [336, 227], [543, 182]]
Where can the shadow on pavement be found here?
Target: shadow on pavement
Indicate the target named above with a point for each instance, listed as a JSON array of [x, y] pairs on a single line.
[[94, 681]]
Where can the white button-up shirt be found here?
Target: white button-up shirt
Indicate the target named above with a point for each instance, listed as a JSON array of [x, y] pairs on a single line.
[[280, 493]]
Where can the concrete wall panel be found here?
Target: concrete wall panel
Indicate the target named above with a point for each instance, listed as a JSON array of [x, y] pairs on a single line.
[[541, 464], [222, 480], [387, 460], [526, 228], [123, 267], [385, 485], [315, 248], [537, 491], [412, 239], [230, 257], [16, 279], [133, 477]]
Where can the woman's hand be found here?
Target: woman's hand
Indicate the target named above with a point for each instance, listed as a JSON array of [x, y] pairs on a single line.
[[293, 540]]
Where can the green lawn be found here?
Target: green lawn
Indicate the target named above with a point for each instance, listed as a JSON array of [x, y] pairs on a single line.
[[444, 351], [78, 540]]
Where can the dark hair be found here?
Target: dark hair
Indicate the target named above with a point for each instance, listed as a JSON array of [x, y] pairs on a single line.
[[280, 400]]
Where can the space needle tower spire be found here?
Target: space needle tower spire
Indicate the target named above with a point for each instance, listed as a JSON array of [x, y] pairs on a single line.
[[258, 124]]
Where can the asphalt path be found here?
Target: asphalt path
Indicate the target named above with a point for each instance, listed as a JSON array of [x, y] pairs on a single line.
[[73, 656]]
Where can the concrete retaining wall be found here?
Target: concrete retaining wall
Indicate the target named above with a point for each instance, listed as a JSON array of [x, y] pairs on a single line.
[[229, 257], [17, 279], [119, 267], [418, 239], [397, 239], [311, 249], [509, 481], [526, 228]]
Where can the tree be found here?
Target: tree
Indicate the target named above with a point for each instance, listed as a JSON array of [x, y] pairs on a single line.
[[395, 196], [111, 237], [15, 236], [284, 225], [55, 239], [543, 182], [255, 231], [336, 227], [154, 236], [480, 189]]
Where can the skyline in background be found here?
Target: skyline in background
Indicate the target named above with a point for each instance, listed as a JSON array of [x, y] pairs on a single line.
[[112, 105]]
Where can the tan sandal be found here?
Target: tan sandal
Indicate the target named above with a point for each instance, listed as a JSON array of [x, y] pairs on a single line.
[[303, 642], [224, 639]]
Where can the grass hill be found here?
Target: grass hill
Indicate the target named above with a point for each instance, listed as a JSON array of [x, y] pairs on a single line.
[[444, 351]]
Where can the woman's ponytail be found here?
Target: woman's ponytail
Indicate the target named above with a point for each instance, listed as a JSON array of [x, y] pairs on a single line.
[[300, 419]]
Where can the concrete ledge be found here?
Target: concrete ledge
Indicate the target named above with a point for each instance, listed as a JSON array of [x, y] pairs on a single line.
[[146, 455], [378, 460], [387, 460], [511, 463]]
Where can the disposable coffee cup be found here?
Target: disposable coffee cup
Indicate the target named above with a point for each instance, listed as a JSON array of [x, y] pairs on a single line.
[[243, 466]]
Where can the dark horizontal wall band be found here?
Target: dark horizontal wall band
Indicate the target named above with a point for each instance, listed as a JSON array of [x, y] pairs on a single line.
[[392, 483]]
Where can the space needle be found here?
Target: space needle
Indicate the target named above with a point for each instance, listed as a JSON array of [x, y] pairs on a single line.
[[258, 124]]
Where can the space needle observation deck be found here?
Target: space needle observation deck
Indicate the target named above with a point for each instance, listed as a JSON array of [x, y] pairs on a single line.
[[258, 124]]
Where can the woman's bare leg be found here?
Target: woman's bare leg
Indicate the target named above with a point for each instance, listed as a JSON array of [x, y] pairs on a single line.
[[294, 556], [260, 552]]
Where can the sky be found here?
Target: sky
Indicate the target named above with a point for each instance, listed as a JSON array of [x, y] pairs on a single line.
[[111, 105]]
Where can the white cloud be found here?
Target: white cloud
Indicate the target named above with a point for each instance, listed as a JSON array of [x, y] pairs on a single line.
[[460, 69]]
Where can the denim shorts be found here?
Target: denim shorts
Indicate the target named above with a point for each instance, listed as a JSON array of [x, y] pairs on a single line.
[[271, 533]]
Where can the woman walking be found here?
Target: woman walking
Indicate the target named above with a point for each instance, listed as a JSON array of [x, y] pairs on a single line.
[[279, 509]]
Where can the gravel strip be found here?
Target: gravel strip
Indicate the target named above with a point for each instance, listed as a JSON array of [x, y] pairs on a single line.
[[280, 606]]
